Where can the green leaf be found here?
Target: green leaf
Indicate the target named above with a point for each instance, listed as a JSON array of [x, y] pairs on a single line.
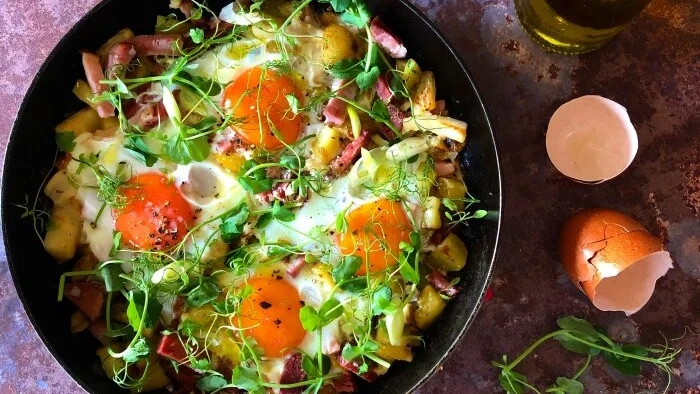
[[294, 103], [197, 35], [572, 345], [65, 141], [263, 220], [245, 378], [211, 383], [329, 311], [449, 204], [380, 112], [138, 148], [346, 69], [566, 386], [381, 300], [367, 79], [135, 312], [398, 86], [340, 5], [138, 351], [511, 382], [358, 14], [341, 223], [308, 364], [294, 163], [206, 292], [581, 327], [626, 365], [255, 182], [206, 85], [409, 258], [479, 214], [232, 225], [281, 213], [309, 317], [110, 275], [184, 151], [346, 268], [116, 241]]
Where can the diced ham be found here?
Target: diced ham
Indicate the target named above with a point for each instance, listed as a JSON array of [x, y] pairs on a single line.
[[296, 263], [292, 372], [445, 168], [440, 108], [171, 347], [354, 367], [184, 379], [383, 90], [344, 383], [396, 116], [87, 296], [351, 152], [441, 284], [336, 109], [119, 58], [386, 39], [155, 44], [94, 74]]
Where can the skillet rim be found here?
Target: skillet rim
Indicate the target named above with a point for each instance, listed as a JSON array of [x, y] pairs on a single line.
[[428, 24]]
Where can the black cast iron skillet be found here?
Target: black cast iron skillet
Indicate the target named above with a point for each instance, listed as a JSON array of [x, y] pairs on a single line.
[[31, 150]]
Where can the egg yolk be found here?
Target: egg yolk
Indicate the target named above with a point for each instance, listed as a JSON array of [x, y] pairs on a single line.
[[257, 100], [374, 232], [156, 216], [270, 315]]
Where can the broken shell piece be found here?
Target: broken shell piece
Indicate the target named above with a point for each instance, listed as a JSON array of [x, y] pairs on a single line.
[[612, 259], [591, 139]]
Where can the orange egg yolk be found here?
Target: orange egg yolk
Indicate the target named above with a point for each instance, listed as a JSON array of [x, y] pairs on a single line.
[[272, 310], [156, 216], [374, 232], [257, 100]]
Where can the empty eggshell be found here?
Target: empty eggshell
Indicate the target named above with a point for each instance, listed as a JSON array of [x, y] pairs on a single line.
[[591, 139], [612, 258]]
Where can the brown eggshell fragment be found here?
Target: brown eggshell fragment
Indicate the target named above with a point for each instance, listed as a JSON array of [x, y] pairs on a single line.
[[612, 259]]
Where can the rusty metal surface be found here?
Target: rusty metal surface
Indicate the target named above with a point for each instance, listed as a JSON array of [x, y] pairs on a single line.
[[652, 68]]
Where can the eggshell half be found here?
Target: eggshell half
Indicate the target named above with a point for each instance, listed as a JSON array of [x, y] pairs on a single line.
[[591, 139], [612, 258]]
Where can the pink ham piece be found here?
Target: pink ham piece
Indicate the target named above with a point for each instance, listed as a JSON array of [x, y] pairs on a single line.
[[344, 383], [155, 45], [94, 74], [170, 347], [354, 367], [336, 109], [296, 263], [441, 284], [445, 168], [119, 58], [292, 372], [387, 40], [396, 116], [87, 296], [351, 152], [383, 90]]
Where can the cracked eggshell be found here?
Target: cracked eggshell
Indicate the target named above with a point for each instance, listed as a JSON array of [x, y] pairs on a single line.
[[612, 258], [591, 139]]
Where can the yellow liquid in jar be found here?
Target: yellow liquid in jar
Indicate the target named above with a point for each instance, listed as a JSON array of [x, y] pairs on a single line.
[[576, 26]]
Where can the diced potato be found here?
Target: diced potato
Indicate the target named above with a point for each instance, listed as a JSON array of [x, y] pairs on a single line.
[[425, 91], [122, 35], [109, 123], [63, 232], [327, 145], [231, 161], [78, 322], [225, 347], [59, 188], [392, 353], [84, 121], [431, 215], [411, 73], [82, 91], [338, 44], [450, 255], [442, 126], [86, 262], [453, 189], [430, 306], [110, 364], [154, 378]]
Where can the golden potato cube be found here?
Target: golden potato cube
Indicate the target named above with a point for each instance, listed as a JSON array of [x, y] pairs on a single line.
[[452, 189], [122, 35], [59, 188], [450, 255], [78, 322], [82, 91], [425, 91], [110, 364], [63, 232], [327, 144], [154, 378], [231, 161], [84, 121], [338, 44], [393, 353], [431, 215], [430, 306]]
